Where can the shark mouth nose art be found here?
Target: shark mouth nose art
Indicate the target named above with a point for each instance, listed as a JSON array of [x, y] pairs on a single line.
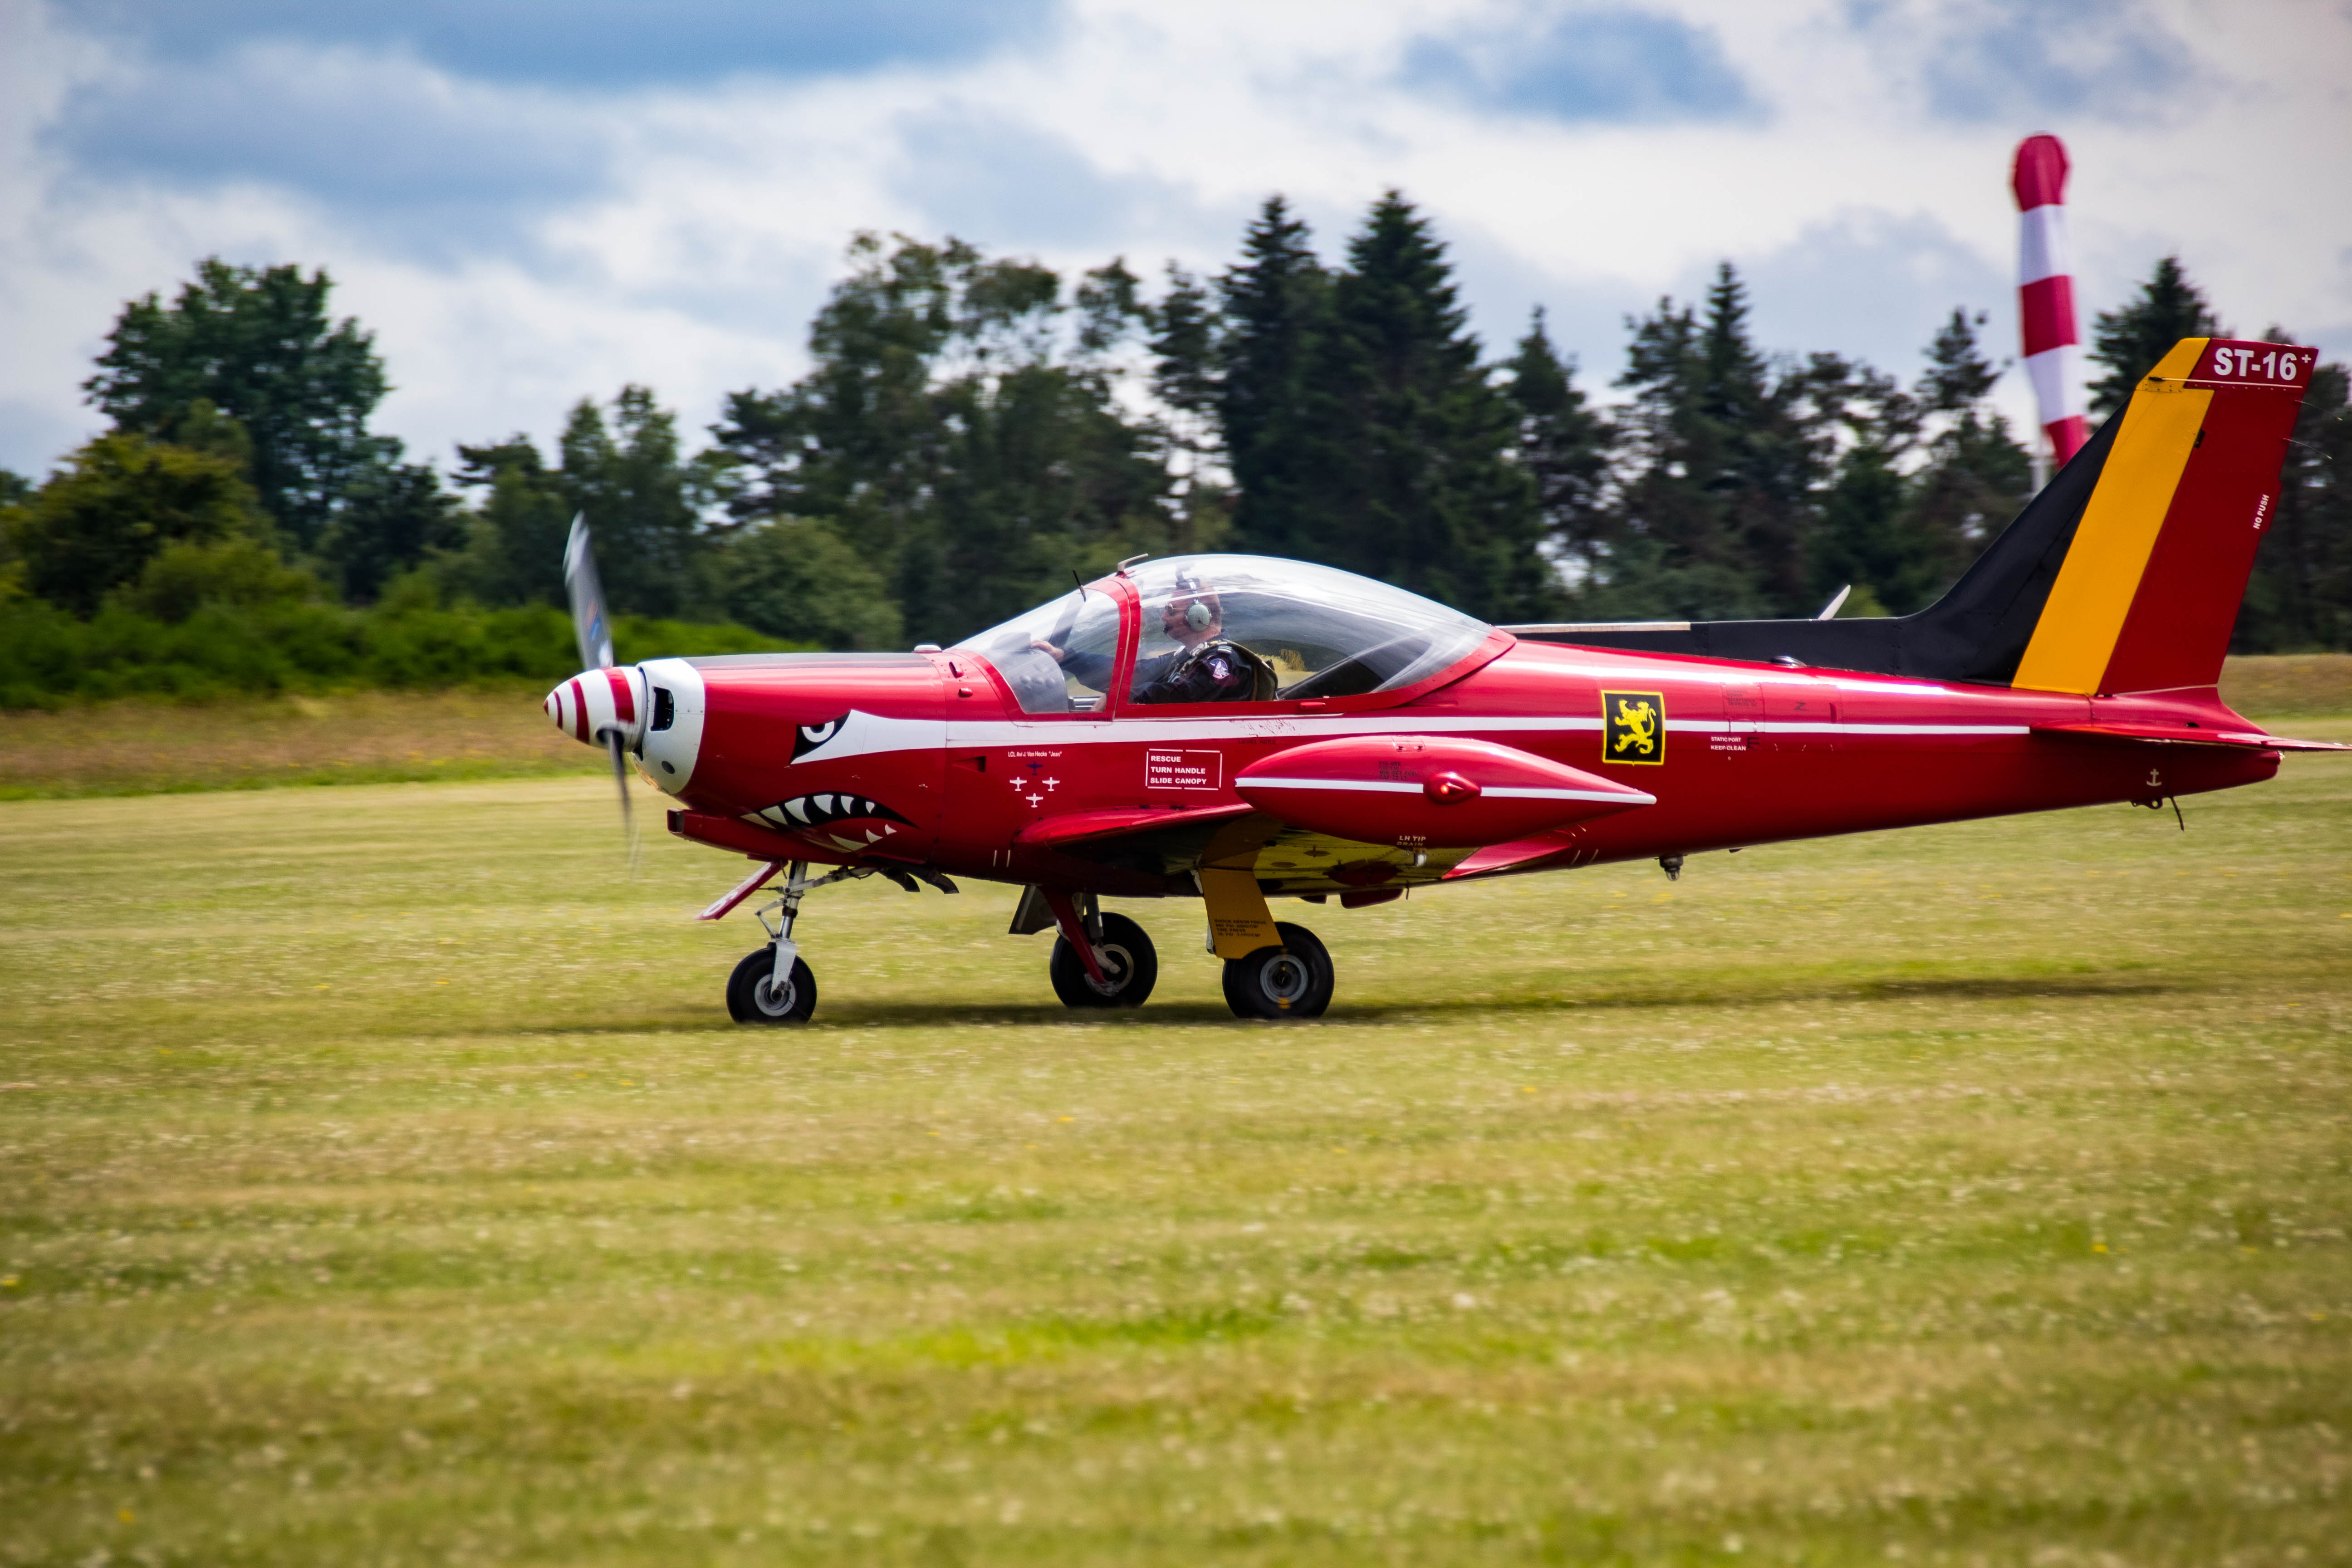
[[807, 812]]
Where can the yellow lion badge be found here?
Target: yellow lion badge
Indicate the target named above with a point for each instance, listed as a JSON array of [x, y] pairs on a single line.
[[1632, 727]]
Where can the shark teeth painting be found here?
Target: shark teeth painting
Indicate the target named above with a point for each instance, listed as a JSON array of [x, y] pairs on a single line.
[[803, 811]]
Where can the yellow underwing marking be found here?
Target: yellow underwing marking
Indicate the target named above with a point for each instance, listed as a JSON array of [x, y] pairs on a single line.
[[1239, 921], [2076, 634]]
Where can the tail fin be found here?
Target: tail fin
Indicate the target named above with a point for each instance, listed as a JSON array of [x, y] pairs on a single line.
[[2123, 574], [2150, 584]]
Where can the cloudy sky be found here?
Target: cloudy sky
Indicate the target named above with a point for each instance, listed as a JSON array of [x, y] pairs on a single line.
[[531, 201]]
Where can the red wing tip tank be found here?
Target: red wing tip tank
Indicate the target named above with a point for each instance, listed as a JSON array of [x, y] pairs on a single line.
[[1237, 729]]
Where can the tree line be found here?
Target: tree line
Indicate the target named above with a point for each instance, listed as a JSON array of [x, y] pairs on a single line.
[[973, 429]]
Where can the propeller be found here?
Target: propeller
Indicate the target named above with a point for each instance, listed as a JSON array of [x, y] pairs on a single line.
[[593, 630]]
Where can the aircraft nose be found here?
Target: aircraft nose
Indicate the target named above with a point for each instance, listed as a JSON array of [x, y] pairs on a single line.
[[599, 703]]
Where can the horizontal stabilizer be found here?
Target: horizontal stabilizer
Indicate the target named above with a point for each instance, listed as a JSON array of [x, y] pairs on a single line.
[[2181, 735]]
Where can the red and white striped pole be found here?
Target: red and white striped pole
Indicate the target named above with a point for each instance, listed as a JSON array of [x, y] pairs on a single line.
[[2045, 294]]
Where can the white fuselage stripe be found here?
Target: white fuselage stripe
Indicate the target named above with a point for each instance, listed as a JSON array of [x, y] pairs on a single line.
[[866, 734]]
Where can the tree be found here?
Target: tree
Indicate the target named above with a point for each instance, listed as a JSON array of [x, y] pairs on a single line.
[[798, 578], [119, 502], [1406, 450], [1715, 471], [1864, 539], [239, 573], [1976, 475], [2130, 339], [1563, 448], [1184, 373], [1190, 385], [945, 433], [393, 518], [1276, 300], [641, 501], [514, 549], [256, 345], [2301, 594]]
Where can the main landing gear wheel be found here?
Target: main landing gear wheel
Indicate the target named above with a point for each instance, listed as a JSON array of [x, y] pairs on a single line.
[[752, 996], [1293, 981], [1129, 962]]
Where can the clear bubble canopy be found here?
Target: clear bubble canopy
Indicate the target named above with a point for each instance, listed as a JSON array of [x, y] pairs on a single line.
[[1323, 633]]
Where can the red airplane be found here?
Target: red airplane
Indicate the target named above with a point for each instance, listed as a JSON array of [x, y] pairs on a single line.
[[1237, 729]]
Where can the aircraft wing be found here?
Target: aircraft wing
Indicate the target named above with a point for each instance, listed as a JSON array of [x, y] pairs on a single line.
[[1090, 826], [2176, 735], [1158, 841]]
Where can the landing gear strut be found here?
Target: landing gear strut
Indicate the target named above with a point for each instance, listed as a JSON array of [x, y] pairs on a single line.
[[1099, 959], [774, 985], [1125, 959]]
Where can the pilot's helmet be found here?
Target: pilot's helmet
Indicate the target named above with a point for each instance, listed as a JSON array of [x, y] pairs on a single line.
[[1195, 602]]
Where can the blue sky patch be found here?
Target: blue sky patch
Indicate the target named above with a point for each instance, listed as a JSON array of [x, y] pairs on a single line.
[[607, 44], [1606, 66]]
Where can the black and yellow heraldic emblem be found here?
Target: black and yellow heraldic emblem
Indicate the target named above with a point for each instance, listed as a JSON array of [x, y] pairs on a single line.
[[1632, 727]]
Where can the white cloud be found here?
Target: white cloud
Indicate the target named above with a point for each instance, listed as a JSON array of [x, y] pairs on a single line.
[[520, 238]]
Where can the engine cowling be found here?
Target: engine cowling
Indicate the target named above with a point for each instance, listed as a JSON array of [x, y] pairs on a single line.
[[1438, 791]]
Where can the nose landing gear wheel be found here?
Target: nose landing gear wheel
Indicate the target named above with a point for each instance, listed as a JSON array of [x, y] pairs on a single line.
[[1293, 981], [752, 996], [1129, 962]]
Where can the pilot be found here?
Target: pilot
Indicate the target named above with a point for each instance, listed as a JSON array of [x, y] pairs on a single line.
[[1203, 668]]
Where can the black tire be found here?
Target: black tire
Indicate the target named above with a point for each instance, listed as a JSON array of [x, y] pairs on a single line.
[[1293, 981], [1129, 963], [751, 991]]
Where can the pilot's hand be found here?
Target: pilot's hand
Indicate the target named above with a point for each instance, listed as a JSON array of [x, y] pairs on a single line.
[[1048, 649]]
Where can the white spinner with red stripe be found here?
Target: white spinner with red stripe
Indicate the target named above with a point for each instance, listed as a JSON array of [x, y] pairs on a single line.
[[2045, 294], [599, 702]]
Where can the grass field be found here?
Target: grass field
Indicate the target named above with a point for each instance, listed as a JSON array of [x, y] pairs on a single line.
[[361, 737], [382, 1184]]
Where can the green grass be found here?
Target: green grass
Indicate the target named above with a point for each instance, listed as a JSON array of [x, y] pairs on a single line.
[[382, 1184], [142, 747]]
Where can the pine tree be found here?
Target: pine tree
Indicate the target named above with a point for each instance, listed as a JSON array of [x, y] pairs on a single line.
[[1976, 477], [2130, 339], [2301, 594], [1276, 304], [1563, 447], [1407, 448], [1864, 427], [1715, 502], [1186, 379]]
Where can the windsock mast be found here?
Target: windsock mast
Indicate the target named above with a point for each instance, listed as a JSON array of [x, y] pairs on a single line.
[[2045, 289]]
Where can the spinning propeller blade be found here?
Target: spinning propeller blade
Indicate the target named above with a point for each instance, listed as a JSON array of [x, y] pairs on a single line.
[[593, 630], [621, 781], [589, 623]]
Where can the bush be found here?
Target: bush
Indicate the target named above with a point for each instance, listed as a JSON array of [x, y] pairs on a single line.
[[49, 658]]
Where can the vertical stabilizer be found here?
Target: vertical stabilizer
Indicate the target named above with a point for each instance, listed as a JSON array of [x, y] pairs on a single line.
[[2151, 581]]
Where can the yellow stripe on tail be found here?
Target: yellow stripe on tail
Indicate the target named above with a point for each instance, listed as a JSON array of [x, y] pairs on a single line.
[[2084, 616]]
